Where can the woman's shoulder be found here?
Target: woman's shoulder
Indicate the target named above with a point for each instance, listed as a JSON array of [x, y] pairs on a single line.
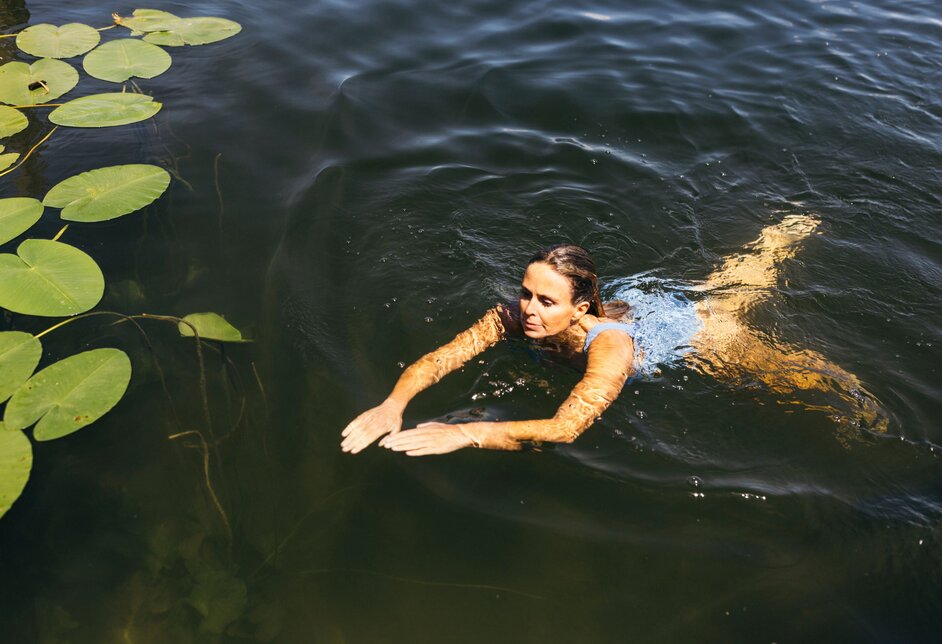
[[618, 332], [509, 314]]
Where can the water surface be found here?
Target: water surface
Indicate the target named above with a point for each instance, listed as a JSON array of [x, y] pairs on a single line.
[[358, 182]]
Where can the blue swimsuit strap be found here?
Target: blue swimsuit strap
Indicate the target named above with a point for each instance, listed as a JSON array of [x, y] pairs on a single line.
[[604, 326]]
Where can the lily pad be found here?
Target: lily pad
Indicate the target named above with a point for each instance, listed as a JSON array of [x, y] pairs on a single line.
[[16, 460], [120, 60], [11, 121], [19, 355], [107, 193], [210, 326], [49, 278], [43, 81], [17, 215], [70, 394], [194, 31], [50, 41], [145, 20], [105, 110], [8, 159]]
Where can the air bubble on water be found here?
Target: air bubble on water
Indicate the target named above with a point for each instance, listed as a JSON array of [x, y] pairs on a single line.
[[428, 320], [694, 481], [640, 414], [387, 305], [401, 365]]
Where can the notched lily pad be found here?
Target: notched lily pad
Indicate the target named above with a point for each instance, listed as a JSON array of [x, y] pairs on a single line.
[[19, 355], [145, 20], [194, 31], [49, 278], [105, 110], [12, 121], [50, 41], [70, 394], [210, 326], [17, 215], [120, 60], [16, 460], [8, 159], [107, 193], [43, 81]]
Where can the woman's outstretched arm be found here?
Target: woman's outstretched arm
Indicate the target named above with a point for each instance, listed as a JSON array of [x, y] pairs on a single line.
[[386, 418], [611, 362]]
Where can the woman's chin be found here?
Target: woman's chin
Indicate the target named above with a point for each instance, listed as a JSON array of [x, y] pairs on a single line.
[[534, 333]]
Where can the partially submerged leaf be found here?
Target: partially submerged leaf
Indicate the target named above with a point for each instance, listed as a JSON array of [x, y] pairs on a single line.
[[144, 20], [219, 598], [43, 81], [120, 60], [17, 215], [50, 41], [106, 193], [16, 460], [105, 110], [11, 121], [70, 394], [19, 355], [210, 326], [49, 278], [8, 159], [194, 31]]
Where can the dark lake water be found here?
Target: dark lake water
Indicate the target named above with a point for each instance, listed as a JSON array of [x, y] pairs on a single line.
[[357, 182]]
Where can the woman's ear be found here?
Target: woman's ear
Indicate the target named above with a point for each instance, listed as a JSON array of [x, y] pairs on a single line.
[[581, 309]]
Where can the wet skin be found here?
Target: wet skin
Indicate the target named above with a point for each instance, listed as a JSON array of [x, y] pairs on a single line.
[[726, 348]]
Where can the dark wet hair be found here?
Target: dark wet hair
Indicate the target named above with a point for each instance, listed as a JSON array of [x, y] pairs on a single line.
[[574, 263]]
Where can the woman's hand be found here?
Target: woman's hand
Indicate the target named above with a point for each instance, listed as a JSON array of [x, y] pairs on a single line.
[[370, 425], [430, 438]]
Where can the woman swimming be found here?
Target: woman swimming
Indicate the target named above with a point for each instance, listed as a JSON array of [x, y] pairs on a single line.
[[560, 308]]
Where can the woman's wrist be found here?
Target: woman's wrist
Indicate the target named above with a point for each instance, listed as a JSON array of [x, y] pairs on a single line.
[[394, 404]]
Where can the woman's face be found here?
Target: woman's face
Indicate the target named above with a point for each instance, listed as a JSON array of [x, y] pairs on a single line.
[[546, 306]]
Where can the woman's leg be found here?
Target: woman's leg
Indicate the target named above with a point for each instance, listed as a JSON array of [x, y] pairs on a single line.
[[727, 349]]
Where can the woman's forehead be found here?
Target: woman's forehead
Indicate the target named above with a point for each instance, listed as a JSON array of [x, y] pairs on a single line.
[[542, 279]]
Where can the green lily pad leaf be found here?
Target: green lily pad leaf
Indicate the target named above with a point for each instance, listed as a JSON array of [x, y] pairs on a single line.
[[194, 31], [8, 159], [49, 278], [107, 193], [19, 355], [105, 110], [16, 460], [210, 326], [43, 81], [119, 60], [144, 20], [17, 215], [70, 394], [50, 41], [11, 121]]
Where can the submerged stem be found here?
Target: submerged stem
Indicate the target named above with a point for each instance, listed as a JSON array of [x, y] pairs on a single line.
[[31, 150], [209, 483]]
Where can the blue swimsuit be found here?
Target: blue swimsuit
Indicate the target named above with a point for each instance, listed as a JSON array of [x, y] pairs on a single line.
[[663, 321]]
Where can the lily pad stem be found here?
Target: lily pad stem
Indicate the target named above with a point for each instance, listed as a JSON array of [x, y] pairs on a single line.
[[60, 233], [31, 150]]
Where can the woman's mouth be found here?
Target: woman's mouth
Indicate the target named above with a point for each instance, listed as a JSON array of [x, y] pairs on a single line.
[[532, 326]]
